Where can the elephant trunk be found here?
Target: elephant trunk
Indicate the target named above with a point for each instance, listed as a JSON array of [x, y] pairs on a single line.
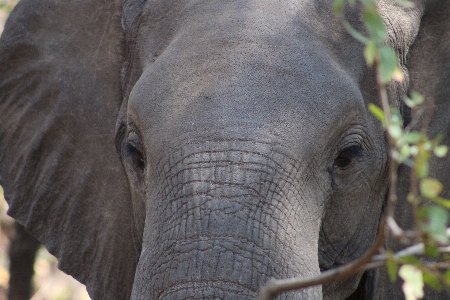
[[223, 221]]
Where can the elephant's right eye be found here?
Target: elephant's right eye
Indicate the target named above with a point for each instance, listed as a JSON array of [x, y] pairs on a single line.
[[346, 156], [136, 155]]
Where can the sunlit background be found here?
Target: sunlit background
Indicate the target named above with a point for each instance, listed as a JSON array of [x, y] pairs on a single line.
[[49, 282]]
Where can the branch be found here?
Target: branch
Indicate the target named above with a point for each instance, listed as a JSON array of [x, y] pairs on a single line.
[[274, 286]]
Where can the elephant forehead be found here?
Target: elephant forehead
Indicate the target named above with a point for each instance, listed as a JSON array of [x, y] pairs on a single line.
[[272, 29], [261, 66], [301, 105]]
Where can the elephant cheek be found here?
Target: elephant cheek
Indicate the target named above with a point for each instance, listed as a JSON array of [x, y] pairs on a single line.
[[221, 224]]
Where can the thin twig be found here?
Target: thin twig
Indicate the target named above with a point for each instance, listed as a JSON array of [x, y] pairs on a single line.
[[393, 164], [274, 286], [393, 226]]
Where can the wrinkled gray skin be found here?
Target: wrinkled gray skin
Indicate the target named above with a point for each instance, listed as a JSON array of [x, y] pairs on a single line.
[[194, 149]]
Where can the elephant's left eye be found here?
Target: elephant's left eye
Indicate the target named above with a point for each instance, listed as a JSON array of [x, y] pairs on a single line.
[[346, 156], [136, 155]]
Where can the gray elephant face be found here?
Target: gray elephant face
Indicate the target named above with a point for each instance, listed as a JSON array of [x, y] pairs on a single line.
[[246, 149], [243, 145]]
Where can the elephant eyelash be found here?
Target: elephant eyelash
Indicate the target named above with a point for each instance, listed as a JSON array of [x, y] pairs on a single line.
[[346, 155], [131, 150]]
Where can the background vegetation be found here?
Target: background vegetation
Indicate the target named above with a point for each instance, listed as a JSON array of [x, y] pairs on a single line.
[[49, 282]]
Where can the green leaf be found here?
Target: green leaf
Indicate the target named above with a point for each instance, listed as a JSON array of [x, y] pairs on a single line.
[[415, 99], [398, 75], [438, 139], [434, 222], [440, 151], [412, 199], [370, 53], [377, 112], [395, 131], [392, 268], [447, 276], [405, 3], [356, 34], [410, 260], [441, 201], [338, 6], [414, 150], [413, 285], [408, 162], [388, 64], [430, 188], [432, 281], [396, 117], [412, 137], [431, 250], [369, 4], [404, 151], [374, 24], [421, 167], [409, 102]]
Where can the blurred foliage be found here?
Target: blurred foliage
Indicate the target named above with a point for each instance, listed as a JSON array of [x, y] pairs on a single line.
[[414, 149], [49, 282], [6, 7], [6, 224]]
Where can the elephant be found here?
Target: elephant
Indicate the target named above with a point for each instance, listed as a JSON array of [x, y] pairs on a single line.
[[195, 149]]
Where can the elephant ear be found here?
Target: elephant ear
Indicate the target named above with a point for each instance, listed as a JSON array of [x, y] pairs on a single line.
[[428, 65], [429, 68], [60, 94]]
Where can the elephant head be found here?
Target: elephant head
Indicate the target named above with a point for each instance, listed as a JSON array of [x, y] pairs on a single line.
[[194, 149]]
